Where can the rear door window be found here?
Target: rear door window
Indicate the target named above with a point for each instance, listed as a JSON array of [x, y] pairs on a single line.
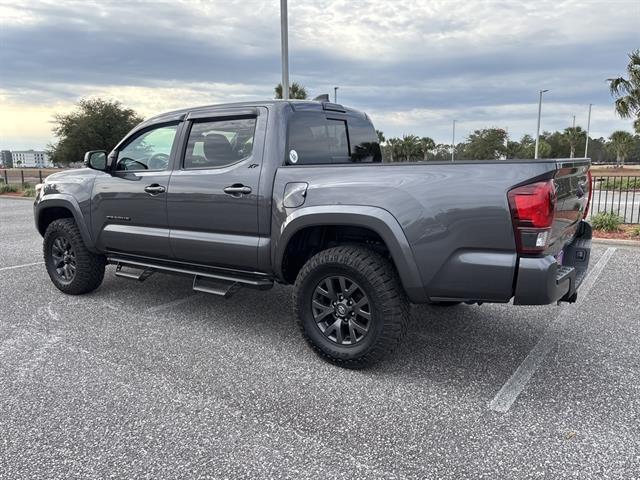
[[219, 143]]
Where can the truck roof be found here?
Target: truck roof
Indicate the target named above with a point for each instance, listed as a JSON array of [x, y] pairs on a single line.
[[295, 105]]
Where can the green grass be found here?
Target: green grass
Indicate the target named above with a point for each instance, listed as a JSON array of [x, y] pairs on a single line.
[[624, 184], [607, 222]]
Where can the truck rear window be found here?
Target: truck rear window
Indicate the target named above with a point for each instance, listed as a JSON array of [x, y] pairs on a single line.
[[319, 139]]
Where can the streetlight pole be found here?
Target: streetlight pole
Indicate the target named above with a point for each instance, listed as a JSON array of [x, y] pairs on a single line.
[[538, 129], [506, 143], [335, 94], [284, 38], [586, 143], [573, 132], [453, 141]]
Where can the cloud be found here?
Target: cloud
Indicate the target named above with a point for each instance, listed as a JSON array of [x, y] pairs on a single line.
[[414, 65]]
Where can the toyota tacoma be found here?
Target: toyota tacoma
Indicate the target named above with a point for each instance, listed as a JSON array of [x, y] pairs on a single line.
[[295, 192]]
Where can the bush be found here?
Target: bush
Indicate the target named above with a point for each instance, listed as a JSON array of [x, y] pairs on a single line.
[[635, 231], [29, 192], [624, 184], [8, 188], [607, 222]]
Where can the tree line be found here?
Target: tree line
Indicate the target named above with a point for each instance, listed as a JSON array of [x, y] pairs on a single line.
[[495, 144]]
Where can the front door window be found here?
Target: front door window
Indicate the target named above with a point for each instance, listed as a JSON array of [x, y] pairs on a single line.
[[148, 151]]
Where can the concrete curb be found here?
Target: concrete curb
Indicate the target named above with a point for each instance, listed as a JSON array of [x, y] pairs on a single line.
[[13, 197], [616, 242]]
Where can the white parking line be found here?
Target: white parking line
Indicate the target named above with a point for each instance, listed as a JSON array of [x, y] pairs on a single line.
[[20, 266], [513, 387], [172, 304]]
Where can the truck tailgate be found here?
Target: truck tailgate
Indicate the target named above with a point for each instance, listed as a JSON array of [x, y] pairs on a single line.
[[572, 187]]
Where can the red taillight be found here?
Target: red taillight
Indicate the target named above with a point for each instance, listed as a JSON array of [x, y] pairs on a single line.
[[590, 184], [533, 205], [532, 211]]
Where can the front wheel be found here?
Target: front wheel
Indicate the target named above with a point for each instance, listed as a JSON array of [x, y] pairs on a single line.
[[73, 269], [350, 306]]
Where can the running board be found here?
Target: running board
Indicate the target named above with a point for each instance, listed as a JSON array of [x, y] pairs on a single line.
[[140, 276], [222, 289], [224, 284]]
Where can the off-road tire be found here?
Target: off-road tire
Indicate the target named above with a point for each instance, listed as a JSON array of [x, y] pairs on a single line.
[[89, 267], [378, 279]]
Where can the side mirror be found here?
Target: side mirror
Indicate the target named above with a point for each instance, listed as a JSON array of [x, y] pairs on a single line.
[[96, 159]]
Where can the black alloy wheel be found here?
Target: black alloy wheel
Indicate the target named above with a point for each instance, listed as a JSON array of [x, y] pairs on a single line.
[[64, 260], [342, 310]]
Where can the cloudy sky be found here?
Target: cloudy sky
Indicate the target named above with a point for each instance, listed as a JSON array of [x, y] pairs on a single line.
[[413, 65]]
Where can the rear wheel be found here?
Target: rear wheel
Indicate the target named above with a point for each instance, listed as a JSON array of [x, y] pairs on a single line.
[[73, 269], [350, 306]]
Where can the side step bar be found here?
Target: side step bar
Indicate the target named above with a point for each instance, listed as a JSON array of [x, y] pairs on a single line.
[[141, 276], [224, 284], [223, 289]]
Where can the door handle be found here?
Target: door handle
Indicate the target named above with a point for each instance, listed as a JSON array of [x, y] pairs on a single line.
[[237, 189], [154, 189]]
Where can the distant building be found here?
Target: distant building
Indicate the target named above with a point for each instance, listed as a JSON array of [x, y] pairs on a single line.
[[6, 159], [30, 159]]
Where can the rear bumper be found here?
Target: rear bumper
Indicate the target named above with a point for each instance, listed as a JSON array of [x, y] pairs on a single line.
[[541, 281]]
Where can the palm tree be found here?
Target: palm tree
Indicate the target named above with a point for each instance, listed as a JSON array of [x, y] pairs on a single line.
[[296, 91], [380, 135], [409, 146], [573, 136], [621, 143], [394, 146], [426, 146], [627, 91]]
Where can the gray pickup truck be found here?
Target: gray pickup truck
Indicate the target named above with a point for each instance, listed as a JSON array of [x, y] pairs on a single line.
[[295, 192]]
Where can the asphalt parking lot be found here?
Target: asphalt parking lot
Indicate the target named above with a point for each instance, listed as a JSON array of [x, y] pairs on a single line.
[[150, 380]]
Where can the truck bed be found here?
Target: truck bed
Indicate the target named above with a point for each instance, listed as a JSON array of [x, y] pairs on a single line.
[[455, 216]]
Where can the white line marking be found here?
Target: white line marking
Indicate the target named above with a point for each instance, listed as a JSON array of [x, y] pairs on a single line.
[[172, 304], [513, 387], [20, 266]]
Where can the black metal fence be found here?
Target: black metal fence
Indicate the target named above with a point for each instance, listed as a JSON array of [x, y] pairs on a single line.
[[616, 194], [25, 176]]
